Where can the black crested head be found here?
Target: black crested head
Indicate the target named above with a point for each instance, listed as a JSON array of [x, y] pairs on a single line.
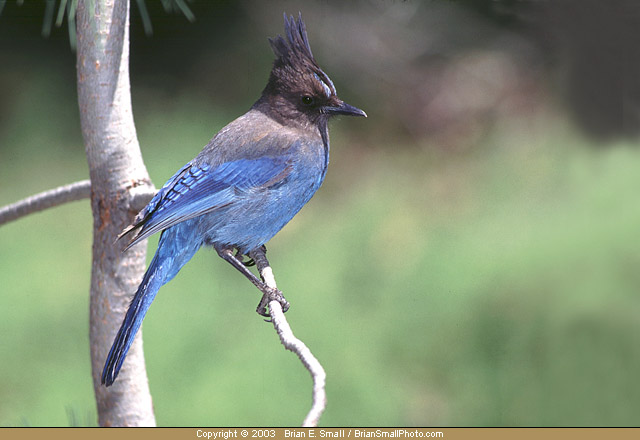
[[298, 90]]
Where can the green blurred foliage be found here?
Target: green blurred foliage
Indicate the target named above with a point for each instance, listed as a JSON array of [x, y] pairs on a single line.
[[491, 284]]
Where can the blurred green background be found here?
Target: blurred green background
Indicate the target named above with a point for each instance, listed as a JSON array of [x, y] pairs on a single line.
[[472, 258]]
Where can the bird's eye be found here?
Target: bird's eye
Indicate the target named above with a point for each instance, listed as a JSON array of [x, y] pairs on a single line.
[[307, 100]]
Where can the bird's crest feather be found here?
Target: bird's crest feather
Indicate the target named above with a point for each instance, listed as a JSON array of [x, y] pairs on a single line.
[[295, 49]]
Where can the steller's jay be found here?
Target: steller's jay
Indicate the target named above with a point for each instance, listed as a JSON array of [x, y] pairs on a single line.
[[244, 186]]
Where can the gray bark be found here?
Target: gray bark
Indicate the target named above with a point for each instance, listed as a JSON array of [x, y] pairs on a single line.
[[117, 173]]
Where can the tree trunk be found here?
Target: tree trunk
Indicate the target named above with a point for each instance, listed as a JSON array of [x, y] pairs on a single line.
[[117, 172]]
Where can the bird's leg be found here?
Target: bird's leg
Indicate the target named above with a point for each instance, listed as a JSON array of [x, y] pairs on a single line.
[[251, 262], [259, 257], [268, 293]]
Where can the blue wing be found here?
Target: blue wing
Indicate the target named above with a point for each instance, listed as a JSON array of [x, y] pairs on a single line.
[[200, 188]]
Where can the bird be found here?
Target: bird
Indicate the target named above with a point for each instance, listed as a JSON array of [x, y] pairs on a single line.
[[245, 185]]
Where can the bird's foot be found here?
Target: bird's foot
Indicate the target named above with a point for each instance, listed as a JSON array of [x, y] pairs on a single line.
[[240, 257], [271, 294], [251, 261]]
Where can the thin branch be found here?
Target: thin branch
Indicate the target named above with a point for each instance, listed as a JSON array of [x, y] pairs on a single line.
[[291, 343], [48, 199]]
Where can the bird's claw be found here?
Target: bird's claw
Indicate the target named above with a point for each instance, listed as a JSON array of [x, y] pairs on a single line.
[[271, 294], [250, 262]]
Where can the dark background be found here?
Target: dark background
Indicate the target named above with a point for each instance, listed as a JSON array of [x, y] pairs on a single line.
[[472, 258]]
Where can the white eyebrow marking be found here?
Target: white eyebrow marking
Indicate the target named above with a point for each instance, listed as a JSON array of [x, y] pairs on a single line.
[[328, 89]]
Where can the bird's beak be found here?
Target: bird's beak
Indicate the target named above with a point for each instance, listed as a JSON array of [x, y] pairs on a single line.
[[342, 108]]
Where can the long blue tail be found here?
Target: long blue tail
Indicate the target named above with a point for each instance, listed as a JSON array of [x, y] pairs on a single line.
[[151, 283], [168, 260]]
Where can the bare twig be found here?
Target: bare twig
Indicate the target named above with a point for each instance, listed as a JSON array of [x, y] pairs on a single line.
[[291, 343], [47, 199]]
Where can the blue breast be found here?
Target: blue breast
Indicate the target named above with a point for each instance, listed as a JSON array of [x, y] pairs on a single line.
[[255, 214]]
